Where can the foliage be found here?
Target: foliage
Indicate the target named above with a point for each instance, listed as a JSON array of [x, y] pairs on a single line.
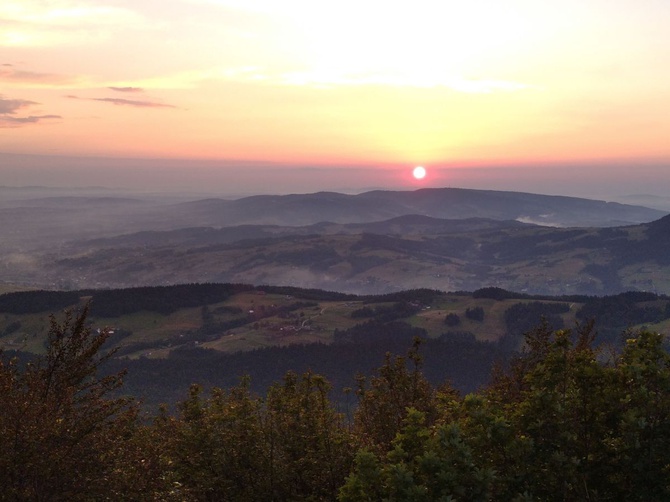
[[59, 428], [614, 314], [496, 294], [452, 319], [421, 295], [384, 403], [384, 314], [233, 446], [475, 313], [161, 299], [564, 422], [378, 331], [27, 302], [521, 318], [424, 464]]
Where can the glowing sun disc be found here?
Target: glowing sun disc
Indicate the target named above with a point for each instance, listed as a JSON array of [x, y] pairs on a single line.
[[419, 172]]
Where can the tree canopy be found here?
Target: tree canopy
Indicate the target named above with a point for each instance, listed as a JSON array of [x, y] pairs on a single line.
[[565, 421]]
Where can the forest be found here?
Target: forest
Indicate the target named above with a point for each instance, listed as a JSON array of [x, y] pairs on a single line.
[[565, 420]]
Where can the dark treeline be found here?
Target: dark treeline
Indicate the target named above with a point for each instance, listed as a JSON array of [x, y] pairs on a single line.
[[387, 313], [465, 362], [119, 302], [30, 302], [523, 317], [562, 423], [495, 293], [619, 312], [167, 299]]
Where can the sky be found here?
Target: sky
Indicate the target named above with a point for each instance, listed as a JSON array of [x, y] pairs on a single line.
[[247, 96]]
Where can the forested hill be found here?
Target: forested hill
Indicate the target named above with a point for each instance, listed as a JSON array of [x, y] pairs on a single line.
[[449, 203], [560, 423], [171, 336], [371, 243], [405, 252]]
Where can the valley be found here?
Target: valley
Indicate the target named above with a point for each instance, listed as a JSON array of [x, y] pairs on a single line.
[[371, 243]]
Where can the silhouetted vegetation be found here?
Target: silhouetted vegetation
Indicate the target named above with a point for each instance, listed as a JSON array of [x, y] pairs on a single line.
[[387, 313], [421, 296], [475, 313], [562, 422], [28, 302], [452, 319], [497, 294], [614, 314], [161, 299], [521, 318]]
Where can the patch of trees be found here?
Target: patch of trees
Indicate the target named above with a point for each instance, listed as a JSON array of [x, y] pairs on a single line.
[[387, 313], [30, 302], [521, 318], [495, 293], [424, 296], [378, 331], [475, 313], [452, 319], [562, 422], [119, 302], [614, 314], [308, 294], [161, 299], [465, 362]]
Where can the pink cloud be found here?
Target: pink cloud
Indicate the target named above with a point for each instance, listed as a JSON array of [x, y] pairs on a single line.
[[9, 109], [126, 102], [11, 106], [8, 121], [126, 89], [32, 76]]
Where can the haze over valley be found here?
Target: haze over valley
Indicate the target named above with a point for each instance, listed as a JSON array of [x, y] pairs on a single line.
[[374, 242]]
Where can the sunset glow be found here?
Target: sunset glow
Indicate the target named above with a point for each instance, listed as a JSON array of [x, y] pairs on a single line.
[[419, 173], [344, 83]]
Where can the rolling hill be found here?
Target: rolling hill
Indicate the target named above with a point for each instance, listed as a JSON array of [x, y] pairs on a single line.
[[374, 258], [375, 242], [170, 337]]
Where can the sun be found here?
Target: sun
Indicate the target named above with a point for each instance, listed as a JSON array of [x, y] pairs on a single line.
[[419, 173]]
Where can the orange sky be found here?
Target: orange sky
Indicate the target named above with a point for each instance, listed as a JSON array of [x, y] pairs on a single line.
[[350, 83]]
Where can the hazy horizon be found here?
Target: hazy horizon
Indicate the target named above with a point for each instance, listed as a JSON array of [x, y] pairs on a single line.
[[240, 178]]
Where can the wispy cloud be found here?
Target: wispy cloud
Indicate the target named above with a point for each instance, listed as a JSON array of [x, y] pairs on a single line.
[[133, 102], [126, 89], [9, 109], [11, 75], [127, 102], [10, 106]]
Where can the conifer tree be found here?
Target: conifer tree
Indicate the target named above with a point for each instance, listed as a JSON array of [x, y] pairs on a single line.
[[58, 422]]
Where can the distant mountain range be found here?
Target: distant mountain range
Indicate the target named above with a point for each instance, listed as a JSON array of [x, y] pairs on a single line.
[[451, 203], [375, 242]]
